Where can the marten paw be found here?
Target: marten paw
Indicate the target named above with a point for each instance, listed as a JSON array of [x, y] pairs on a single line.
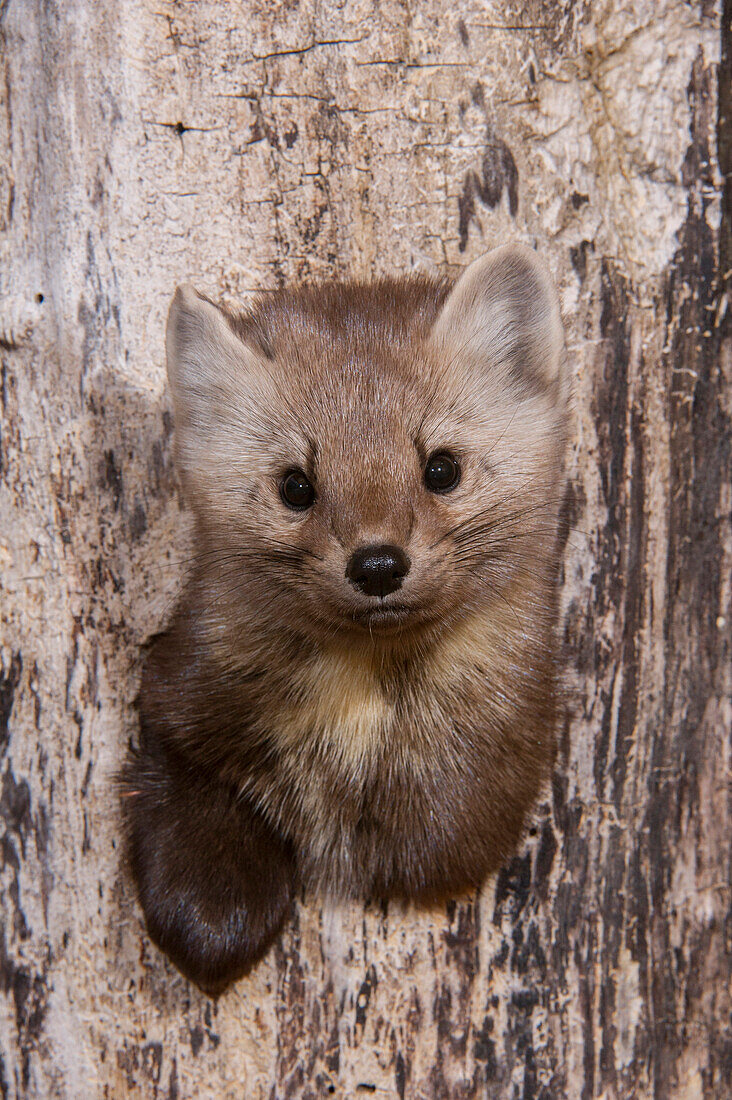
[[214, 880]]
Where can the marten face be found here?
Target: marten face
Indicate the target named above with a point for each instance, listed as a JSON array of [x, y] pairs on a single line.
[[373, 460]]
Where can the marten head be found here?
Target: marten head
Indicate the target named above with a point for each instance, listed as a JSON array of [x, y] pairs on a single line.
[[373, 459]]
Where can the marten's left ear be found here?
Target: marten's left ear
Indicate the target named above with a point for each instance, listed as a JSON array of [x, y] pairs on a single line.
[[503, 315]]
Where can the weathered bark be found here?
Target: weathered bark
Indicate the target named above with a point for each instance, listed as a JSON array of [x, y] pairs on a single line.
[[247, 144]]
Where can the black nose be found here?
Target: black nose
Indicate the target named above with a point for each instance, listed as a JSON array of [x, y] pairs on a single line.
[[378, 570]]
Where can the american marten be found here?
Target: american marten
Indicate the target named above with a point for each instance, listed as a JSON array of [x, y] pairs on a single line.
[[356, 692]]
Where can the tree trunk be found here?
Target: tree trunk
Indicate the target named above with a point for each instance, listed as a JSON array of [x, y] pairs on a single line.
[[245, 145]]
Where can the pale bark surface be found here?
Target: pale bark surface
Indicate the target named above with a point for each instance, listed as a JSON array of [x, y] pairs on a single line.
[[245, 144]]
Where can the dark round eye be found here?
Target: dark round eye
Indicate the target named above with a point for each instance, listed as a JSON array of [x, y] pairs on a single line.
[[441, 474], [296, 491]]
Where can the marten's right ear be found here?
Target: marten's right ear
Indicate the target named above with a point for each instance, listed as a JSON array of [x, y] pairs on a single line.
[[218, 383], [207, 362]]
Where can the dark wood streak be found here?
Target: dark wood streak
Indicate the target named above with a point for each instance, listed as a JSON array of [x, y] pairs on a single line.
[[697, 646]]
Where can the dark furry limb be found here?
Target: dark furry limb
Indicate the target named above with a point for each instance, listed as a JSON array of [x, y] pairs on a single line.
[[215, 882]]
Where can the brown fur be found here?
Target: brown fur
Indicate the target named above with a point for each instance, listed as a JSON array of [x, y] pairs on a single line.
[[290, 732]]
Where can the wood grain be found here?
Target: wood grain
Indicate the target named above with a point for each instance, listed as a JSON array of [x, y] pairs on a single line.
[[248, 144]]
